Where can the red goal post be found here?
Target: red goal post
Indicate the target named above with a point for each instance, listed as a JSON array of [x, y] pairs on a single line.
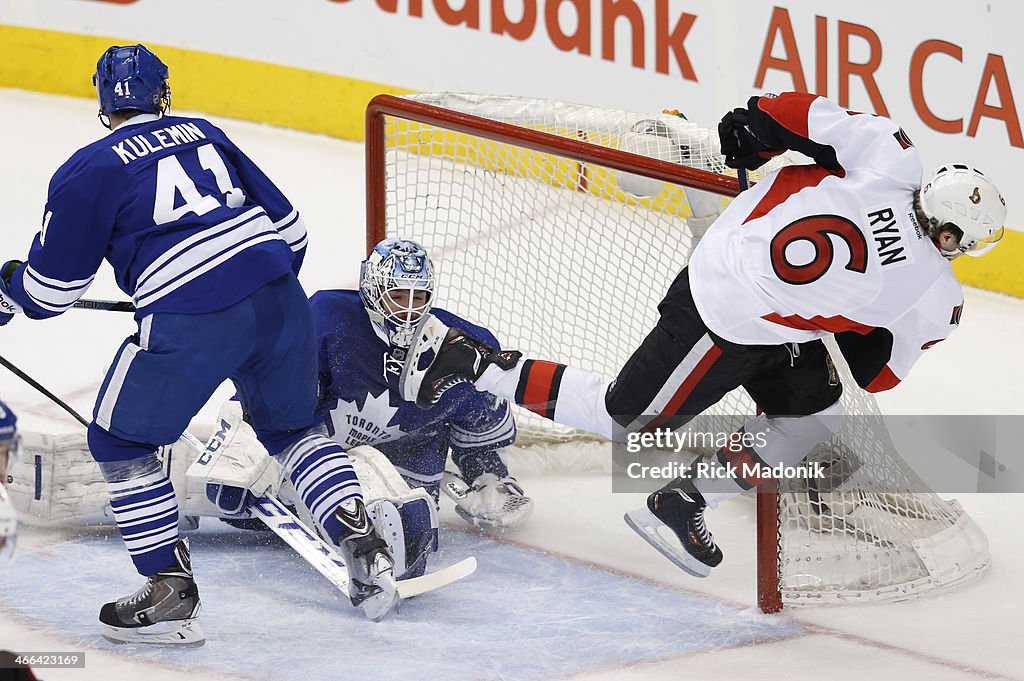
[[521, 203]]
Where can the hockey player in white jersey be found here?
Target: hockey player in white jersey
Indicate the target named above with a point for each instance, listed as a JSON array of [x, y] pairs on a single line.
[[8, 516], [363, 338], [854, 244], [209, 249]]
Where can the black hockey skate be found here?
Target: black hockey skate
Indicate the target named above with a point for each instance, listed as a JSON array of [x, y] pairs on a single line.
[[679, 506], [441, 357], [371, 568], [163, 611]]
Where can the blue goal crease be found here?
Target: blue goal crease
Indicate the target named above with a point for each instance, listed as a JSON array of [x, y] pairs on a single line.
[[524, 615]]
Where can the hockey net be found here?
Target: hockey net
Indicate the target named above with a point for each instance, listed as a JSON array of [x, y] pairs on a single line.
[[520, 204]]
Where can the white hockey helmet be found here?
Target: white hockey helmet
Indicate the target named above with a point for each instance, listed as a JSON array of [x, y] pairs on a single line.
[[388, 282], [962, 196]]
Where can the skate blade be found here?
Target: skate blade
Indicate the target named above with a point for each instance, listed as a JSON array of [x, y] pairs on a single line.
[[176, 633], [646, 524], [378, 606]]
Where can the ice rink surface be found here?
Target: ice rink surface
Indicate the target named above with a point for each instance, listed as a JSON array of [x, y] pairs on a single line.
[[572, 594]]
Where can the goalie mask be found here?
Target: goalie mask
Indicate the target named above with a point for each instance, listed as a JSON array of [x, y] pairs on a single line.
[[655, 139], [396, 285], [131, 77], [960, 196]]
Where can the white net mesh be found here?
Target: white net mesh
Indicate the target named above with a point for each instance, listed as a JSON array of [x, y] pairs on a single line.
[[558, 261]]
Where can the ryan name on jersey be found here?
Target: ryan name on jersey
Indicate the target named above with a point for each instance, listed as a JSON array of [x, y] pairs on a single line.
[[135, 147], [887, 236]]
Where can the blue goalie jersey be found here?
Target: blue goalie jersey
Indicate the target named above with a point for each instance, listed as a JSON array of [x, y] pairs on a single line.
[[188, 222], [360, 403]]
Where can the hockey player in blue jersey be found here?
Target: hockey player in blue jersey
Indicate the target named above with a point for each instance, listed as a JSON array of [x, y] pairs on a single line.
[[363, 336], [208, 248]]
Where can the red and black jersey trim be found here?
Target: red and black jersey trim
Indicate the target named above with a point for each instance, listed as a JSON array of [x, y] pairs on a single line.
[[539, 383], [867, 353], [782, 123]]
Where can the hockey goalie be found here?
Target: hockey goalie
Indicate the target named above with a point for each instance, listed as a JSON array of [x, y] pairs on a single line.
[[56, 482]]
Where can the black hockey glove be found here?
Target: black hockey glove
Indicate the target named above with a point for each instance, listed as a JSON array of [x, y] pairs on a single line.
[[741, 148], [8, 308], [7, 271]]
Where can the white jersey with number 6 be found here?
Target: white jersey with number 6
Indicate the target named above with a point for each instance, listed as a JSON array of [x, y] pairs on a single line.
[[808, 251]]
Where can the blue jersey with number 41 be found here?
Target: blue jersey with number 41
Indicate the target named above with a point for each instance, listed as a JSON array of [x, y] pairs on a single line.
[[188, 223]]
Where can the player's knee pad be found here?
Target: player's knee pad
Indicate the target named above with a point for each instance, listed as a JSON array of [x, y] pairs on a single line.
[[105, 446], [122, 471]]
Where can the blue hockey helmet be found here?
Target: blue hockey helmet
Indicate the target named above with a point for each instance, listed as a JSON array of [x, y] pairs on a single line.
[[396, 285], [131, 77]]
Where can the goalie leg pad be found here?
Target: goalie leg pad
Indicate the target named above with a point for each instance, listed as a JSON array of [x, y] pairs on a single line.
[[409, 527], [57, 482], [234, 467], [419, 518], [409, 531], [413, 537]]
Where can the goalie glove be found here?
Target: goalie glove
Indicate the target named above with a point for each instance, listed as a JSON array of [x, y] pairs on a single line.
[[490, 501]]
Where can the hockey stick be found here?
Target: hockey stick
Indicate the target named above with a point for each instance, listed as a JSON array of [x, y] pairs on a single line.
[[290, 529], [35, 384], [326, 561], [106, 305], [322, 556], [744, 181]]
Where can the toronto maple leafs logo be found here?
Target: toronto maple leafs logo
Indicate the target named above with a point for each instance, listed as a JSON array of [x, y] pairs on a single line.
[[392, 365], [369, 424]]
